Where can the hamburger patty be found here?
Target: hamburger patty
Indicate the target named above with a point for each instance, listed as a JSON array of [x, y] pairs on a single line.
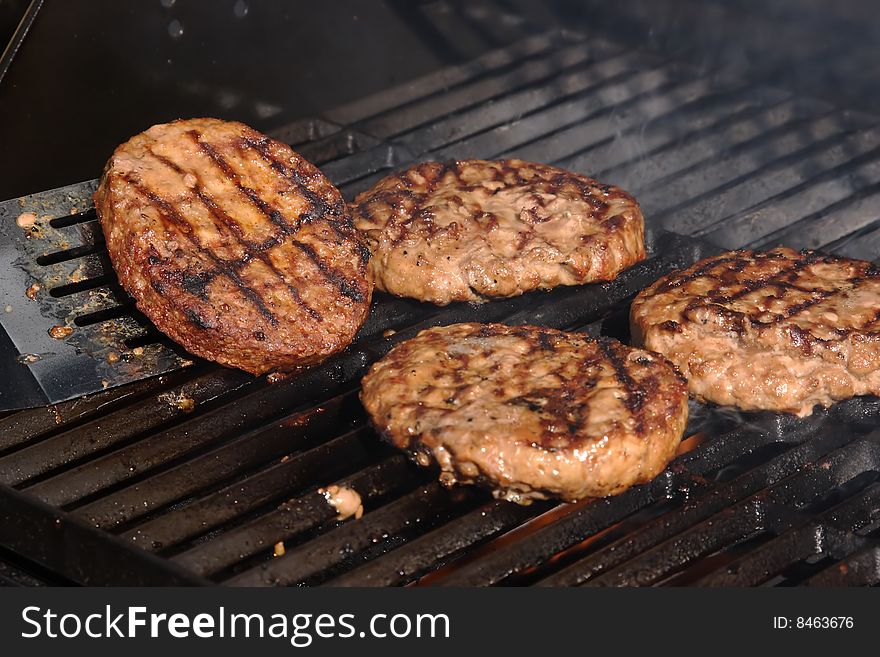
[[475, 229], [233, 245], [779, 330], [530, 411]]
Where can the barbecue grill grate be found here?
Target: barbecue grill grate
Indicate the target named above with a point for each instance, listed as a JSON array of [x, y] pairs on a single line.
[[194, 476]]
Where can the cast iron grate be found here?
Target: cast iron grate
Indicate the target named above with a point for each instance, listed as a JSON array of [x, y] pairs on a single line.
[[194, 476]]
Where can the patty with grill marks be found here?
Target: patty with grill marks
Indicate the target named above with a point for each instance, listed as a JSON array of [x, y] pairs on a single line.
[[779, 330], [532, 412], [474, 230], [234, 245]]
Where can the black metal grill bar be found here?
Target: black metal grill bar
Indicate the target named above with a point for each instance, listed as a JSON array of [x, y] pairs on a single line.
[[552, 117], [78, 552], [769, 218], [560, 146], [529, 71], [456, 152], [701, 197], [339, 145], [445, 78], [430, 551], [347, 171], [295, 517], [62, 449], [860, 569], [767, 511], [415, 512], [670, 145], [505, 132], [856, 212], [311, 468], [536, 548], [731, 526], [864, 246], [808, 155], [511, 107], [75, 483], [717, 452], [812, 207], [16, 570], [534, 127], [814, 538], [297, 432], [360, 166], [705, 117], [36, 424], [702, 503], [305, 132]]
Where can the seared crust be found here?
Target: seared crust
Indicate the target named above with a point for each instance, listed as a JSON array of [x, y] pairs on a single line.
[[530, 411], [779, 330], [473, 230], [233, 245]]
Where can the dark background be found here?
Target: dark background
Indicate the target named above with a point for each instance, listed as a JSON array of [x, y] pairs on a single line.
[[93, 72]]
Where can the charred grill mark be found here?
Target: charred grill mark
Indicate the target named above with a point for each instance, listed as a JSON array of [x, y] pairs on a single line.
[[587, 191], [363, 254], [195, 318], [168, 163], [277, 218], [699, 272], [635, 394], [255, 250], [797, 308], [753, 286], [546, 342], [559, 406], [793, 274], [525, 237], [785, 279], [212, 153], [197, 284], [251, 249], [801, 339], [335, 214], [439, 172], [170, 214], [874, 320], [274, 216], [346, 289], [317, 203]]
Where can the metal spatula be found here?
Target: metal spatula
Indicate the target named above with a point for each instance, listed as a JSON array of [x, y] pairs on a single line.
[[69, 327]]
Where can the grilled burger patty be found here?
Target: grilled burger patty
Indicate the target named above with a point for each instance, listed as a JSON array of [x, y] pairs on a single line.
[[476, 229], [779, 330], [233, 245], [530, 411]]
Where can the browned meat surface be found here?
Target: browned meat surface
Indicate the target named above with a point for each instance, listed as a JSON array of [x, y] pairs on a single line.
[[530, 411], [233, 245], [475, 230], [779, 330]]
